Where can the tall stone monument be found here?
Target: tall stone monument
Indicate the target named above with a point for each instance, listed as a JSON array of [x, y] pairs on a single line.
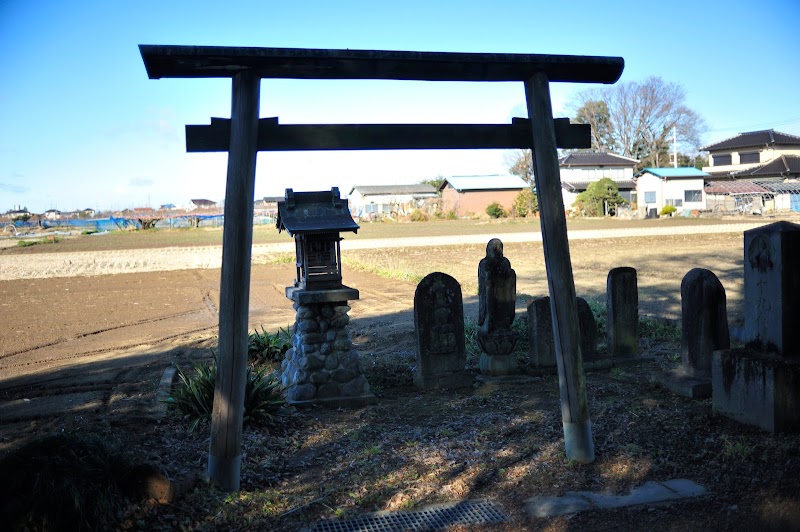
[[497, 296], [760, 385], [439, 327]]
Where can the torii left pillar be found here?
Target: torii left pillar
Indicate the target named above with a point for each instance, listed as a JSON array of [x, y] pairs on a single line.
[[225, 454]]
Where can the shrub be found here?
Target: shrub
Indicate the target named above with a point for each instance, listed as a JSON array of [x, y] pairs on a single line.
[[668, 210], [495, 210], [419, 216], [27, 243], [525, 203], [193, 395], [600, 195], [265, 347]]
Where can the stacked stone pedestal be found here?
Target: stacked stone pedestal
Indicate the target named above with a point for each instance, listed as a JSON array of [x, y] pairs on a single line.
[[322, 367]]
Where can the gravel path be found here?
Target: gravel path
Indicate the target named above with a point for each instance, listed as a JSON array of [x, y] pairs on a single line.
[[44, 265]]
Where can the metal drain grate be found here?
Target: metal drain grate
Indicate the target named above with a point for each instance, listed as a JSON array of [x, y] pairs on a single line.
[[433, 517]]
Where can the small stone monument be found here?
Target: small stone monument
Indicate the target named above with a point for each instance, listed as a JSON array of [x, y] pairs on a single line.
[[760, 385], [497, 296], [622, 312], [321, 367], [439, 325], [704, 329], [541, 348]]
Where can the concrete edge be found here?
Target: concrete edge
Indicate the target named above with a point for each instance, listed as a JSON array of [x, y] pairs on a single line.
[[159, 409], [651, 492]]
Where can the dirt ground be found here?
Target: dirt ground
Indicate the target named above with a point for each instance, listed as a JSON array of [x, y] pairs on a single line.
[[87, 352], [52, 323]]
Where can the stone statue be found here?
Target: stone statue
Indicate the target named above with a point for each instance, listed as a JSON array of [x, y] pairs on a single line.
[[497, 294]]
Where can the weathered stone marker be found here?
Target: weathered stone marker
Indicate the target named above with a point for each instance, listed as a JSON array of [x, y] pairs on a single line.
[[439, 327], [497, 296], [704, 321], [760, 385], [540, 332], [772, 289], [622, 310], [704, 329]]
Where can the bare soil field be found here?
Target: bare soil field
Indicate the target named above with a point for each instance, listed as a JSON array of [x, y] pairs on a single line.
[[84, 350]]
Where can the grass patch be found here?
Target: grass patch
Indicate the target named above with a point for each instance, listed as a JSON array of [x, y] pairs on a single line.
[[659, 330], [387, 271], [384, 373], [28, 243]]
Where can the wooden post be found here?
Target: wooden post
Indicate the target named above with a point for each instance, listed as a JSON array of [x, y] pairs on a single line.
[[574, 412], [225, 454]]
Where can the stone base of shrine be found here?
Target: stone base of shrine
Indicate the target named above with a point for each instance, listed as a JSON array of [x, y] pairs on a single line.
[[322, 367], [758, 389]]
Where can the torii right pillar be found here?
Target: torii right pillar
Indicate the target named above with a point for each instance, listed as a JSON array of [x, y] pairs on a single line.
[[578, 441]]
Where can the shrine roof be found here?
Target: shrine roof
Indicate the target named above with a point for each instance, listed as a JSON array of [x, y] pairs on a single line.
[[314, 212]]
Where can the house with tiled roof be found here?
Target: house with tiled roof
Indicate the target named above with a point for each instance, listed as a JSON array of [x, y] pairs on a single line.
[[470, 195], [683, 188], [578, 170], [768, 158], [376, 200], [747, 151]]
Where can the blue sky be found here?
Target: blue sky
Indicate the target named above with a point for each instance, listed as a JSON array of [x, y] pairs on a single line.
[[82, 126]]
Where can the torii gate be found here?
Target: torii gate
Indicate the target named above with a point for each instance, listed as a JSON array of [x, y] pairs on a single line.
[[245, 134]]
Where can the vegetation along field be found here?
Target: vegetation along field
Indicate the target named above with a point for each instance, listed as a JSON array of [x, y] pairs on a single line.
[[83, 355]]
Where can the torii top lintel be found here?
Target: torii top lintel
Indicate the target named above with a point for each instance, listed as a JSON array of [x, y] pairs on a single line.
[[166, 61]]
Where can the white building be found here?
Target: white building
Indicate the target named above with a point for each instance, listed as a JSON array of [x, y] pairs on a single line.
[[371, 200], [684, 188], [579, 170]]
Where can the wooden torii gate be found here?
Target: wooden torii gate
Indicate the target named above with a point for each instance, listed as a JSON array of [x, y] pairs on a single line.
[[245, 134]]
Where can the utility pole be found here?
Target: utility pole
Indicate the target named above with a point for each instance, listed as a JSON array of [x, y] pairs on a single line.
[[674, 148]]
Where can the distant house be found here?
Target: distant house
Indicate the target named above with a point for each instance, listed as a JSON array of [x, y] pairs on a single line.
[[768, 160], [579, 170], [731, 158], [470, 195], [367, 200], [267, 205], [18, 214], [201, 204], [167, 207], [684, 188], [52, 214], [87, 213]]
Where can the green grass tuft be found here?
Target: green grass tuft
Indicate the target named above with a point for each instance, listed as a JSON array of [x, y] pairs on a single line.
[[193, 394]]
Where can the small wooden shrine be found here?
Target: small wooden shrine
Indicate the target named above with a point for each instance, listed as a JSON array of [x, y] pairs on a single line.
[[314, 220]]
